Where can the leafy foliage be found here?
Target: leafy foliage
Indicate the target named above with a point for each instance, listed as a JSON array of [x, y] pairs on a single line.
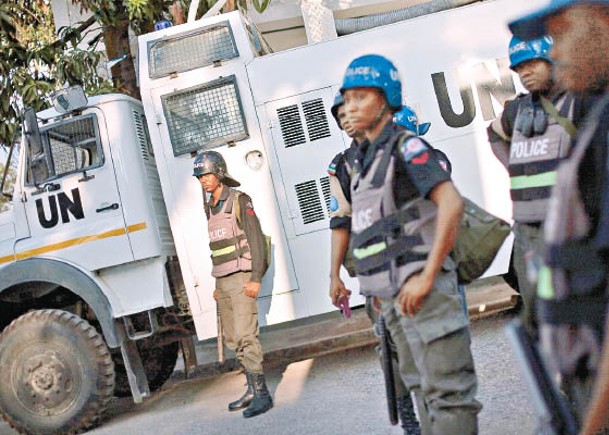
[[35, 60], [9, 161]]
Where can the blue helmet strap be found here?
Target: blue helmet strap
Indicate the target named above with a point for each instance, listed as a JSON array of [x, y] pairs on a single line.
[[379, 118]]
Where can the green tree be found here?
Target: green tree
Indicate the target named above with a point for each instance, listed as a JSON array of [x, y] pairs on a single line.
[[35, 60], [8, 185], [117, 16]]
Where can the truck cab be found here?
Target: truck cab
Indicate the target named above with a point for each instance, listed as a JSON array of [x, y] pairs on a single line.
[[85, 246]]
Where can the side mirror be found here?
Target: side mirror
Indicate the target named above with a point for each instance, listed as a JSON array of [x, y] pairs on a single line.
[[32, 133], [38, 158]]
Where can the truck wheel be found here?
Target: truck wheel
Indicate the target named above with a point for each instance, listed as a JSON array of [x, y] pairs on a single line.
[[57, 374], [159, 363]]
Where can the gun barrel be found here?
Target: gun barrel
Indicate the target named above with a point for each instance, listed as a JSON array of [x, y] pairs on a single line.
[[387, 362], [552, 410]]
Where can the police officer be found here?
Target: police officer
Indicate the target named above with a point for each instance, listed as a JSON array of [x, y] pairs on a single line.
[[572, 290], [340, 170], [405, 217], [530, 139], [237, 247]]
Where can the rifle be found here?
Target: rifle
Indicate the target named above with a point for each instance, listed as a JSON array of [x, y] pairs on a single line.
[[553, 412], [387, 364], [220, 336]]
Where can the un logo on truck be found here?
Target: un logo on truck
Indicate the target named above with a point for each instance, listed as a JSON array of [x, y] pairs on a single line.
[[60, 204]]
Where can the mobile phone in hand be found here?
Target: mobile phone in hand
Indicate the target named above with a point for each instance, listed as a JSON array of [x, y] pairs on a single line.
[[343, 306]]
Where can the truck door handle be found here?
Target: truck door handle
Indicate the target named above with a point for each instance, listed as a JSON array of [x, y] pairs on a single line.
[[110, 207]]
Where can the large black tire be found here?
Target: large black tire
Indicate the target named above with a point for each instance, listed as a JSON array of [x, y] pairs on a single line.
[[57, 373], [159, 363]]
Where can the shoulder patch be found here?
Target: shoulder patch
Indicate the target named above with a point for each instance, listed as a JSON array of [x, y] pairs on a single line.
[[421, 159], [412, 147], [333, 204], [335, 163], [249, 206]]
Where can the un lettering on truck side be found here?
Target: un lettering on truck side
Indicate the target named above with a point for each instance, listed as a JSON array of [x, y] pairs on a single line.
[[60, 205]]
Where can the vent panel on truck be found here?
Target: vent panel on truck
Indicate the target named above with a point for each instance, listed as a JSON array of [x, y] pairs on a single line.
[[317, 123], [291, 126], [309, 202], [305, 139]]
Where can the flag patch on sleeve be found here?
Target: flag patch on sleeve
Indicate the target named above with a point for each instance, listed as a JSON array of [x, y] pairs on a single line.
[[412, 147], [421, 159]]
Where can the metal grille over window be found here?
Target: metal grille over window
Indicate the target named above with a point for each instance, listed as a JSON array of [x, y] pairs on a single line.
[[205, 117], [191, 51], [315, 116], [73, 145], [291, 126], [325, 189], [309, 202]]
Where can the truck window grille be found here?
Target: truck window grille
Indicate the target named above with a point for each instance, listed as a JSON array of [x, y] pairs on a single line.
[[205, 117], [309, 202], [317, 121], [325, 189], [291, 126], [186, 52], [73, 145]]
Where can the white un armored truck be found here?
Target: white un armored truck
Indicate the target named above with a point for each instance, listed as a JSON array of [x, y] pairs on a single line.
[[104, 259]]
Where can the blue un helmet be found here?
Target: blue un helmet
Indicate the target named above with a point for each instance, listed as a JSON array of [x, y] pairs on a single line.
[[375, 71], [408, 119], [521, 51], [212, 162], [338, 101]]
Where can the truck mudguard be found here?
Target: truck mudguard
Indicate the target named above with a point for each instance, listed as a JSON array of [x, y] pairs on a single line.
[[73, 279]]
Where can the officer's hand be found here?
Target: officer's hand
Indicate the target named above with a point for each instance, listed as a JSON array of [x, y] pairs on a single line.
[[338, 290], [376, 304], [215, 295], [251, 289], [413, 292]]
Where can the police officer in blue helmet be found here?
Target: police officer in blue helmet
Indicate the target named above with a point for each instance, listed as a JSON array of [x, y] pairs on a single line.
[[405, 217], [340, 172], [573, 287], [531, 138]]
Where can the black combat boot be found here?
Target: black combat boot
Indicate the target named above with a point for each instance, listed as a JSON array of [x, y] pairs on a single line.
[[408, 417], [247, 397], [262, 398]]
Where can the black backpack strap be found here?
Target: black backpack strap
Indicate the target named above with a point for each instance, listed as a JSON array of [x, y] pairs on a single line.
[[562, 120], [206, 204]]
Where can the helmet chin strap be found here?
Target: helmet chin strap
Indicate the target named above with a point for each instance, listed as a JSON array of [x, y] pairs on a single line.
[[379, 118]]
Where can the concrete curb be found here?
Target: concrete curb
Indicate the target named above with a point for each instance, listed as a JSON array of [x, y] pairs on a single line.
[[353, 333], [481, 311]]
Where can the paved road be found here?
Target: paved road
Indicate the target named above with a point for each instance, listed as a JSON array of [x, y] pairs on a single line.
[[336, 394]]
